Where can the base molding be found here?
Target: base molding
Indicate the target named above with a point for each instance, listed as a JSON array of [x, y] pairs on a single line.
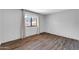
[[21, 41], [61, 36], [32, 36], [4, 46]]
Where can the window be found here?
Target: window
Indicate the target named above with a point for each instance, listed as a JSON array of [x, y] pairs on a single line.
[[30, 21], [34, 22]]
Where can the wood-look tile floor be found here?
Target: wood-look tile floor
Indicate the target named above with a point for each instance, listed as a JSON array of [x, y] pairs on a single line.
[[45, 42]]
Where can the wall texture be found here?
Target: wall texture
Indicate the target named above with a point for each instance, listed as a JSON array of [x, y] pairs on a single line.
[[42, 23], [64, 23], [1, 26], [12, 20], [10, 25]]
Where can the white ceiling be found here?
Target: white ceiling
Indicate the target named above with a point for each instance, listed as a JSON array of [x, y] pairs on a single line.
[[46, 11]]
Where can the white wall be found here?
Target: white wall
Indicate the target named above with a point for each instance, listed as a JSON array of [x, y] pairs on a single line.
[[64, 23], [42, 23], [10, 24], [12, 20], [30, 31], [1, 26]]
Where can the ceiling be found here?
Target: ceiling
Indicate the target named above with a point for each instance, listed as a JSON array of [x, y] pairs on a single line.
[[46, 11]]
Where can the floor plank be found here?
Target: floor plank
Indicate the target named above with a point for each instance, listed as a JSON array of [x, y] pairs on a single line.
[[43, 41]]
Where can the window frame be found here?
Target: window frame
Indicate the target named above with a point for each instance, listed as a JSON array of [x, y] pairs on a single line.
[[31, 21]]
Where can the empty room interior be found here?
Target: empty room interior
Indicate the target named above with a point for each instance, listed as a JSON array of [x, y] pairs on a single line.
[[39, 29]]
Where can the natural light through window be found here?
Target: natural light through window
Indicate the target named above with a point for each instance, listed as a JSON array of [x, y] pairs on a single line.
[[30, 21]]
